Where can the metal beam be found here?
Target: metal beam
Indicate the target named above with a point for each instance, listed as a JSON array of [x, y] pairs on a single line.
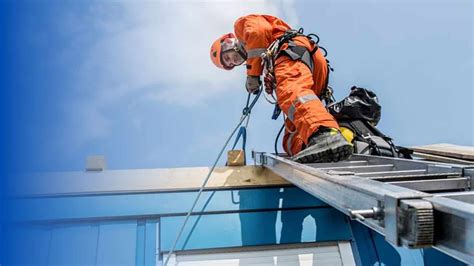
[[397, 209], [345, 193], [459, 183], [454, 225]]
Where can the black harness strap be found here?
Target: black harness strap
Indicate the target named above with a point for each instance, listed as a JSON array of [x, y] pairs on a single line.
[[379, 144], [298, 52]]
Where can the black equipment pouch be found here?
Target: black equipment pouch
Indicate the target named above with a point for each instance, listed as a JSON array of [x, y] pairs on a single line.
[[361, 104], [360, 112], [370, 141]]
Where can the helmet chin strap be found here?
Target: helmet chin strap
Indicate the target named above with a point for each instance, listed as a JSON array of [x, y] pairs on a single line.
[[240, 50]]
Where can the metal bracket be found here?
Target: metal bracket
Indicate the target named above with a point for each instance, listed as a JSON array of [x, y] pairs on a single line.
[[469, 172], [258, 158], [374, 213], [416, 223], [409, 222]]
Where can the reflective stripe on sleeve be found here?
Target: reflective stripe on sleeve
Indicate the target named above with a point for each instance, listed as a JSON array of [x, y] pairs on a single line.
[[306, 98], [291, 112], [255, 52]]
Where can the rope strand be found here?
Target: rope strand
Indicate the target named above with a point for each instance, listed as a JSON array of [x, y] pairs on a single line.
[[246, 113]]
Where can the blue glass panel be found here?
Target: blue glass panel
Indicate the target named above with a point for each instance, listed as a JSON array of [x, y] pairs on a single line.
[[330, 225], [140, 244], [75, 244], [105, 243], [362, 245], [253, 228], [150, 242], [117, 243], [434, 257], [33, 241], [390, 255], [373, 249]]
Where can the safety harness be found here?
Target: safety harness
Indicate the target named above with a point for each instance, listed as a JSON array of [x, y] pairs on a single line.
[[295, 52]]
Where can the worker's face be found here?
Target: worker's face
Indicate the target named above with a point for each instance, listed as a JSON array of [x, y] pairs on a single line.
[[232, 58]]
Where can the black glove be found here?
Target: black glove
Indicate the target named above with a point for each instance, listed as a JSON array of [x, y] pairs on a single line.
[[252, 84]]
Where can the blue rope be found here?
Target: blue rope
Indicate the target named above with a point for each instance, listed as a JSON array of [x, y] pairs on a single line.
[[242, 133], [246, 113]]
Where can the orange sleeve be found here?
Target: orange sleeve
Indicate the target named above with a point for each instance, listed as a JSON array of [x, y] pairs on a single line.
[[254, 32]]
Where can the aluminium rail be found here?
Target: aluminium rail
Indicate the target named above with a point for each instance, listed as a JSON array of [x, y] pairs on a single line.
[[412, 203]]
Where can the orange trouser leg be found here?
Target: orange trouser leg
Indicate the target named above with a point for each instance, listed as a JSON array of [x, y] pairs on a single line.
[[292, 141], [299, 102]]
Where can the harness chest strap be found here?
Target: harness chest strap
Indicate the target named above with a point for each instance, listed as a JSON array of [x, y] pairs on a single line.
[[294, 51], [297, 52]]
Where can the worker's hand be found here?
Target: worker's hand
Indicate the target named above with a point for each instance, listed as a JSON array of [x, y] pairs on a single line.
[[252, 84], [270, 83]]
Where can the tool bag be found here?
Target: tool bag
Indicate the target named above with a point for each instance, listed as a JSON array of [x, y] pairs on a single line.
[[361, 104], [360, 112]]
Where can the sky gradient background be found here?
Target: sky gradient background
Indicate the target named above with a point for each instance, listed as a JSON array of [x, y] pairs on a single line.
[[133, 80]]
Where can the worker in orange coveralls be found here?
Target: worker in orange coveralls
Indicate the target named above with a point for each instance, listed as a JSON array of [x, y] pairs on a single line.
[[299, 73]]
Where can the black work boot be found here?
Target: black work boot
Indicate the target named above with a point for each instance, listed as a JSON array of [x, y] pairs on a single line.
[[325, 145]]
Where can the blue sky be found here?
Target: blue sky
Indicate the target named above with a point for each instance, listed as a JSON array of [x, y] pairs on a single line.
[[133, 81]]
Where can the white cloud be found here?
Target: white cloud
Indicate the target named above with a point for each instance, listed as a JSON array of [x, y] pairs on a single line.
[[140, 47]]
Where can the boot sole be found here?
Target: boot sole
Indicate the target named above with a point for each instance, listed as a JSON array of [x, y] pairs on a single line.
[[332, 154]]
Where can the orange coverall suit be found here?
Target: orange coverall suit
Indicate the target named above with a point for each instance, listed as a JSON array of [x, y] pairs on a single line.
[[296, 87]]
